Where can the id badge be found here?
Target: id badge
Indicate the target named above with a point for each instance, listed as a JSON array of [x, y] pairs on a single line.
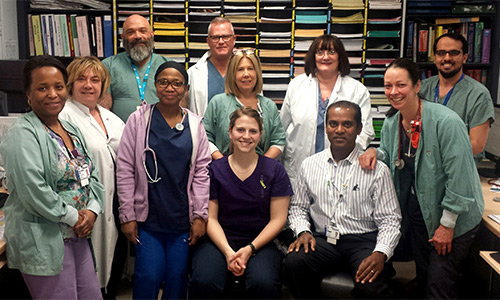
[[83, 174], [332, 234]]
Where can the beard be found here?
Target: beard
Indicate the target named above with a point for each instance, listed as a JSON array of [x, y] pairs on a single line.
[[139, 51], [450, 73]]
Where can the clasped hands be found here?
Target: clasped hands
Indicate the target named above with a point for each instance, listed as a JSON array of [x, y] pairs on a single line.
[[85, 223], [237, 261]]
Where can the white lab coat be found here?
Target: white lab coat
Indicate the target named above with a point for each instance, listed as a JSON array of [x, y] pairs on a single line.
[[299, 115], [103, 149], [198, 86]]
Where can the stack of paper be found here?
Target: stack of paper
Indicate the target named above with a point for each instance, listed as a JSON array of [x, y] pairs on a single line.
[[352, 19], [385, 4], [348, 4]]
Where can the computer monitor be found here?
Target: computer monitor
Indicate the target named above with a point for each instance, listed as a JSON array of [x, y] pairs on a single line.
[[492, 148]]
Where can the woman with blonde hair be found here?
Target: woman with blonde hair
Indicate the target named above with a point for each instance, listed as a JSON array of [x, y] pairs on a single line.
[[243, 86], [88, 80]]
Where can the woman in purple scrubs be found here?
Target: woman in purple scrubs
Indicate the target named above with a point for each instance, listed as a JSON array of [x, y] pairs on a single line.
[[249, 196]]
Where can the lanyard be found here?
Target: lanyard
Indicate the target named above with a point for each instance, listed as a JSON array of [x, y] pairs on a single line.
[[436, 91], [141, 86]]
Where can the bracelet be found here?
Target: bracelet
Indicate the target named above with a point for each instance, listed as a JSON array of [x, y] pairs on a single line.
[[253, 248]]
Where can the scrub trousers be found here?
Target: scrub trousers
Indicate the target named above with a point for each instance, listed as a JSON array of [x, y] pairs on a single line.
[[161, 258]]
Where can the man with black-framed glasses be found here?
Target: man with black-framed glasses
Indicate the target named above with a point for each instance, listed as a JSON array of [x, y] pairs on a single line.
[[451, 87], [206, 77]]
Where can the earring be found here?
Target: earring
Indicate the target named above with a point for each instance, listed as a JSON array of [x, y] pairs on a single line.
[[29, 101]]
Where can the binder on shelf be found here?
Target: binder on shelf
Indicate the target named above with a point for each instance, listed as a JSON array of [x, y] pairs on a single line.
[[30, 36], [43, 22], [107, 25], [50, 34], [82, 30], [478, 40], [92, 35], [37, 34], [486, 47], [423, 36], [409, 40], [70, 35], [66, 47], [57, 36], [471, 33], [74, 31], [99, 36]]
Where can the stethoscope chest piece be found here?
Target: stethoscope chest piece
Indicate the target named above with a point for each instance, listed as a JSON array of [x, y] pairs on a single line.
[[179, 126], [399, 163]]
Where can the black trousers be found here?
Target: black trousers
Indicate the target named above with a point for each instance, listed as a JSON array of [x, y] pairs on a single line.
[[303, 272], [436, 275]]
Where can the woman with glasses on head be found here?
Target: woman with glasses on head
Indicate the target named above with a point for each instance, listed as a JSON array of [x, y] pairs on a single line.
[[249, 196], [163, 185], [88, 80], [325, 81], [55, 197], [427, 148], [243, 85]]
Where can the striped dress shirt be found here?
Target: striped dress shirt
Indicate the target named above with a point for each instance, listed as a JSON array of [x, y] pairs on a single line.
[[357, 201]]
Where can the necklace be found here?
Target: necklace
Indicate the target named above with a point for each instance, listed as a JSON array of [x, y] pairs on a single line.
[[242, 174]]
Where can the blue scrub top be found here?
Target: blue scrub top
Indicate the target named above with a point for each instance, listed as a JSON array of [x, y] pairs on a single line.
[[168, 201], [320, 129], [215, 81]]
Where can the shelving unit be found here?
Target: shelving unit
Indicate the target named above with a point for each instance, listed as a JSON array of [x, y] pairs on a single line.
[[446, 16]]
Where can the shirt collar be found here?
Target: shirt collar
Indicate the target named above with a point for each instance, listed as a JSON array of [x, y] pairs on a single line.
[[351, 158], [81, 107]]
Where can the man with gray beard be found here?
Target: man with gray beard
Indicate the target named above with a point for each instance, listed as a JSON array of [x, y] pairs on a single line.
[[132, 72]]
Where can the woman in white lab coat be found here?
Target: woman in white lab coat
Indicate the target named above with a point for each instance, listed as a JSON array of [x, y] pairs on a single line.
[[88, 81], [325, 81]]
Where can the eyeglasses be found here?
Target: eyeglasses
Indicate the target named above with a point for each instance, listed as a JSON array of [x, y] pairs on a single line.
[[323, 52], [248, 51], [452, 53], [163, 83], [225, 38]]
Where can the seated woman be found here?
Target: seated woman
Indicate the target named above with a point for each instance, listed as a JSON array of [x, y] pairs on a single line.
[[428, 150], [88, 80], [54, 194], [249, 196], [243, 85], [163, 185], [326, 80]]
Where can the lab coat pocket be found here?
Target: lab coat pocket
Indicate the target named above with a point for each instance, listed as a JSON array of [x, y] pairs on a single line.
[[39, 243]]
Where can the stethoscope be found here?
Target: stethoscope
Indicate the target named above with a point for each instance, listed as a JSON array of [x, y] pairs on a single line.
[[179, 127], [416, 127]]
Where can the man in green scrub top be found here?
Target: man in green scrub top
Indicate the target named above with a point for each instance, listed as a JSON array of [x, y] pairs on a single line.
[[467, 97], [132, 72]]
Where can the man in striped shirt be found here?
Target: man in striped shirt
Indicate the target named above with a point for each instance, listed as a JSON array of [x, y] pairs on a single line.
[[343, 216]]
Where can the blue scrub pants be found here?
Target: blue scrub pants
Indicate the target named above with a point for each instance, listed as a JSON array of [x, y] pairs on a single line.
[[209, 272], [162, 257]]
